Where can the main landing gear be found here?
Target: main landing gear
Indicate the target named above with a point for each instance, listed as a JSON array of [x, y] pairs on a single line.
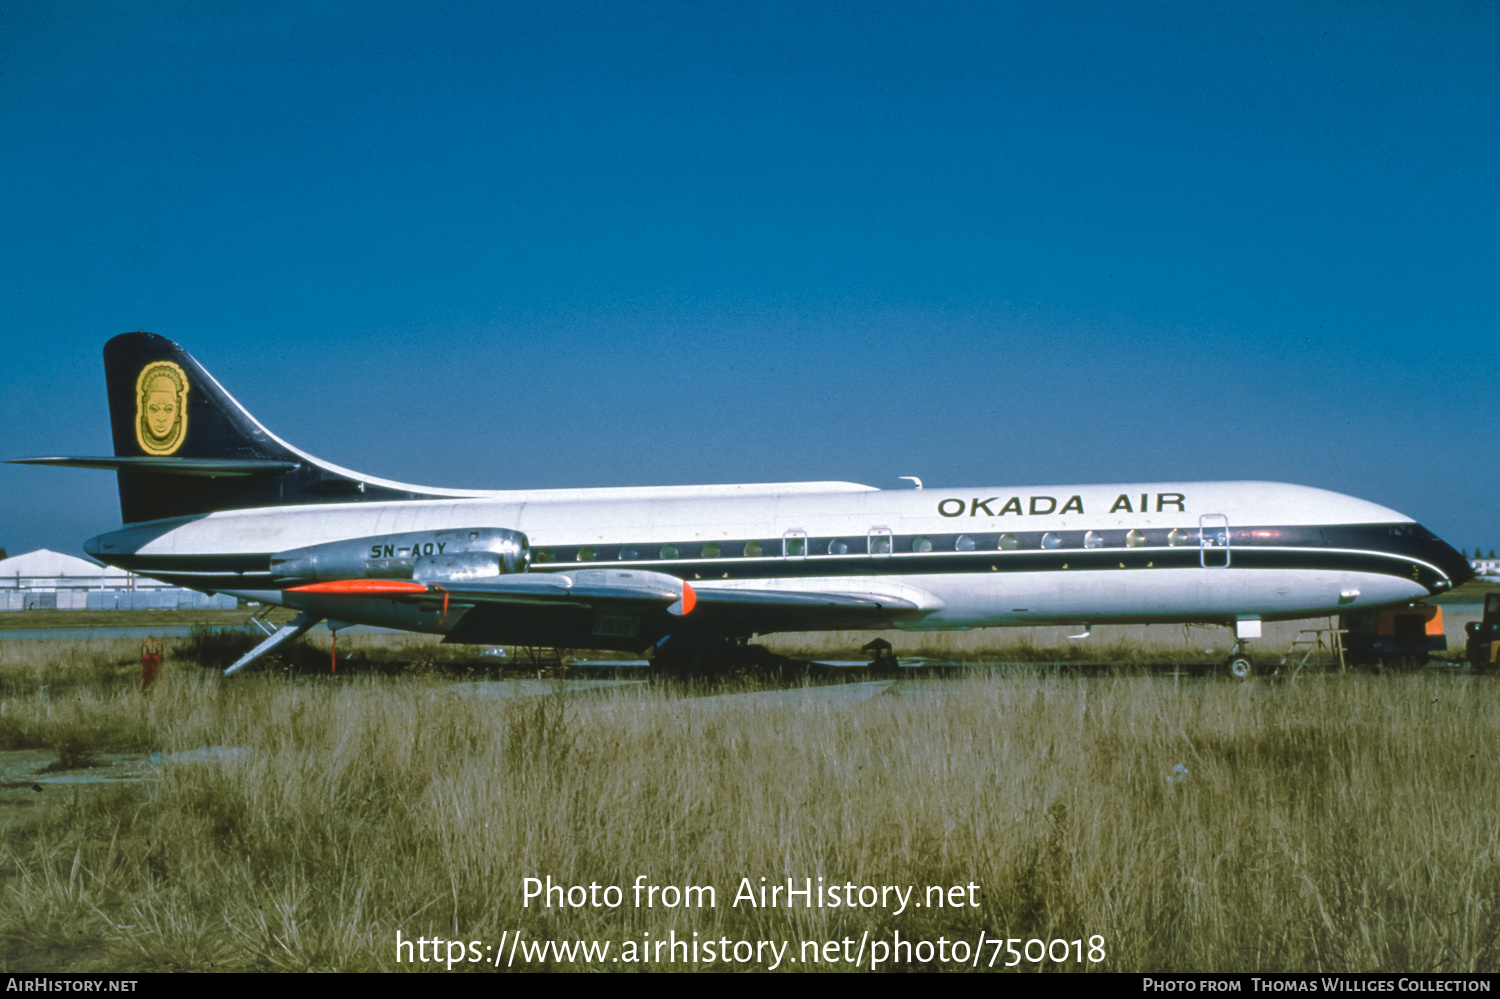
[[882, 656], [709, 656]]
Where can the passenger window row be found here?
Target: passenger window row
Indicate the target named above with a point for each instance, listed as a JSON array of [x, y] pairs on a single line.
[[797, 545]]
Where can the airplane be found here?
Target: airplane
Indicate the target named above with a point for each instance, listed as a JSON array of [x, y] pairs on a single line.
[[212, 500]]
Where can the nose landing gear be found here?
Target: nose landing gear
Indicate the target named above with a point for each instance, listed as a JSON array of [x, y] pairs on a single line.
[[1239, 665]]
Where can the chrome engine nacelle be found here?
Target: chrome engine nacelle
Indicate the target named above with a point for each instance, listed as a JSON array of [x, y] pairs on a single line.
[[428, 556]]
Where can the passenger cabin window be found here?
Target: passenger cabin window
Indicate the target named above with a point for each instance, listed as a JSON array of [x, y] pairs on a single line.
[[838, 546], [1135, 539], [1007, 542], [1093, 539], [1050, 540], [752, 549], [541, 556], [963, 543], [710, 549], [668, 551], [880, 541], [586, 553], [629, 555], [922, 543], [1178, 538]]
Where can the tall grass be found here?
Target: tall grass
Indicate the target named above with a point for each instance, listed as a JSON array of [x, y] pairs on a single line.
[[1331, 823]]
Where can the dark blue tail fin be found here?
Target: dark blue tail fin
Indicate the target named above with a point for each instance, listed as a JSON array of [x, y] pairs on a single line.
[[183, 446]]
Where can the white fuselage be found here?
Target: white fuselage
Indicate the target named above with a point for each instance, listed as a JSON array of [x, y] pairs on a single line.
[[1096, 571]]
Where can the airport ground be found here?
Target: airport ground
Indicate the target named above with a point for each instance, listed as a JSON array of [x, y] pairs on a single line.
[[293, 820], [52, 619]]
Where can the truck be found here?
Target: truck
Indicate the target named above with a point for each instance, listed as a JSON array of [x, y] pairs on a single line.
[[1393, 637], [1482, 649]]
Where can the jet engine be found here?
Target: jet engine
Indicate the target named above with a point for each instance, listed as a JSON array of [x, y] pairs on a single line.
[[427, 556]]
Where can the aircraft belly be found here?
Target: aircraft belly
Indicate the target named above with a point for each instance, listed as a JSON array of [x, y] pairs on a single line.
[[957, 601], [1158, 595]]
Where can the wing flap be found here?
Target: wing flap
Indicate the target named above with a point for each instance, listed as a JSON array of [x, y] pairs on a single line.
[[795, 598]]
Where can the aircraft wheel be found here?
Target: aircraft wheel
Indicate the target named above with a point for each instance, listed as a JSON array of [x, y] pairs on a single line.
[[1240, 667]]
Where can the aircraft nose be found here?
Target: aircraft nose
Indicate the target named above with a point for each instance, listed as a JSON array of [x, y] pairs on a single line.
[[1453, 563]]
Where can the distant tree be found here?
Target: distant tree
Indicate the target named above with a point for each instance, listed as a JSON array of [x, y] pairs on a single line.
[[1492, 553], [3, 556]]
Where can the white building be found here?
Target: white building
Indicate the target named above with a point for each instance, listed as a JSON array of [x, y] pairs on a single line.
[[46, 580]]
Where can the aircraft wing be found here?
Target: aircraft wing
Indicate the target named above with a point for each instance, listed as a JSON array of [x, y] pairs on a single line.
[[494, 601], [595, 587]]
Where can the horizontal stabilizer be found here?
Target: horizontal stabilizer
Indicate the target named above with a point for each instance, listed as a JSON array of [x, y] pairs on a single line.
[[211, 468]]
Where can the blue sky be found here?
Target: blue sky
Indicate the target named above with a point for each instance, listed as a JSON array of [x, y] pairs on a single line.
[[531, 245]]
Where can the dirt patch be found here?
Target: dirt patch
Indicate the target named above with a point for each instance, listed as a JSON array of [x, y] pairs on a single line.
[[30, 776]]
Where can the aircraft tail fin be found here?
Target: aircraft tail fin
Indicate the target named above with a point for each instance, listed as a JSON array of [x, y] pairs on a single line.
[[162, 403], [192, 448], [184, 446]]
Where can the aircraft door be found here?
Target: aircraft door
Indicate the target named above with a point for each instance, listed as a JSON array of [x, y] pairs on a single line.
[[1213, 540]]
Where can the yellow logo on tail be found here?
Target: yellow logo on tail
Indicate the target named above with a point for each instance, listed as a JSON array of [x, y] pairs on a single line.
[[161, 408]]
